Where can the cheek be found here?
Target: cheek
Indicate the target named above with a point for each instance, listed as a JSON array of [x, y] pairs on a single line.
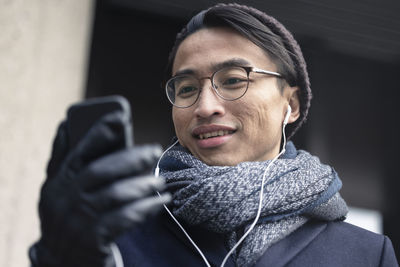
[[261, 119], [177, 119], [254, 118], [181, 121]]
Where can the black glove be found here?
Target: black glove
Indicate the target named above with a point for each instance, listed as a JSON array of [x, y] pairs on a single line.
[[93, 194]]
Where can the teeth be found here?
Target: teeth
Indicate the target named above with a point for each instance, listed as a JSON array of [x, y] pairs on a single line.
[[213, 134]]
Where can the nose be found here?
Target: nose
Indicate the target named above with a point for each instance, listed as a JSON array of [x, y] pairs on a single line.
[[209, 103]]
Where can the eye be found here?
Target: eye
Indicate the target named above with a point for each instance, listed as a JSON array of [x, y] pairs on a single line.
[[232, 81], [231, 78], [186, 91]]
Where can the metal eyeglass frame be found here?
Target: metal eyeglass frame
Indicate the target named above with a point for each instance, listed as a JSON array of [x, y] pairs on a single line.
[[211, 78]]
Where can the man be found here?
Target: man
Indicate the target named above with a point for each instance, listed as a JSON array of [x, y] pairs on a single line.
[[241, 195]]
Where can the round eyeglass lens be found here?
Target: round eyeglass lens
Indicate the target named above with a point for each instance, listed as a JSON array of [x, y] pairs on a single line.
[[231, 83], [183, 91]]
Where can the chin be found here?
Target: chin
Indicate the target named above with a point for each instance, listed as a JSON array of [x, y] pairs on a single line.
[[215, 156], [218, 160]]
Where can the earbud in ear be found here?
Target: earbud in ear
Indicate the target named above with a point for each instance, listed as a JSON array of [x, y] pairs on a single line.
[[289, 110]]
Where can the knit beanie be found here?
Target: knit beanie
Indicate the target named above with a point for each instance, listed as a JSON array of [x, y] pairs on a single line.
[[293, 57]]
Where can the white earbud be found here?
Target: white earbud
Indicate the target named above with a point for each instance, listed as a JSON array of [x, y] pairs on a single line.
[[289, 110]]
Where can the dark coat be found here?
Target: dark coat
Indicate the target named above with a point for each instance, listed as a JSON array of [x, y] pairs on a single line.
[[160, 242]]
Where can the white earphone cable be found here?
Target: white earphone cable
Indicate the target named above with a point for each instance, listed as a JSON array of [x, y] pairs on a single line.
[[260, 201], [116, 255], [157, 173]]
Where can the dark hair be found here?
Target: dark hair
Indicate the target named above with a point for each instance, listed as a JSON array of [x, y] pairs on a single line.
[[265, 32]]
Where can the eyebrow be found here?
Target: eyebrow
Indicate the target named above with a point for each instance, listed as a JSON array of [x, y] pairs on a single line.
[[234, 62]]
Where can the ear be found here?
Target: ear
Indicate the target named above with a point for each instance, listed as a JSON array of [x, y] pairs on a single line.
[[294, 102]]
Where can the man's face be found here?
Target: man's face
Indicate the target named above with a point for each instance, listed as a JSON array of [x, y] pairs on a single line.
[[247, 129]]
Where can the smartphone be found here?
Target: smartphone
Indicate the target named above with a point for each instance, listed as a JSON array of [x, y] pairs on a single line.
[[83, 115]]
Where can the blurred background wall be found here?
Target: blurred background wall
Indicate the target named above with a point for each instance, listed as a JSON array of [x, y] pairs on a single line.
[[353, 55], [43, 56]]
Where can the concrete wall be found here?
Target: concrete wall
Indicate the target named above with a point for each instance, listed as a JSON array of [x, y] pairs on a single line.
[[43, 54]]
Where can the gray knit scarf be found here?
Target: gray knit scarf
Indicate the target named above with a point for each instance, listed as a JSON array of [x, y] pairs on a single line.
[[224, 199]]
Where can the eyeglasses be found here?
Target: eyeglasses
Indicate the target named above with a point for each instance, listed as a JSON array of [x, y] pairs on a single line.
[[230, 83]]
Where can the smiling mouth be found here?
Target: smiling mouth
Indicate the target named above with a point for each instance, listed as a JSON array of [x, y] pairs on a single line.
[[214, 134]]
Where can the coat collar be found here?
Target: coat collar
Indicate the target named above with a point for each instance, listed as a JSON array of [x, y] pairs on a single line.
[[214, 248], [211, 244], [281, 253]]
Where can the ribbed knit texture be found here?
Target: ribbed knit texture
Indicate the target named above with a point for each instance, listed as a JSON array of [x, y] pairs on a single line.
[[225, 199]]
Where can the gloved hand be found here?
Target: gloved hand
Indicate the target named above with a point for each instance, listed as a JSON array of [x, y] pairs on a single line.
[[93, 194]]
